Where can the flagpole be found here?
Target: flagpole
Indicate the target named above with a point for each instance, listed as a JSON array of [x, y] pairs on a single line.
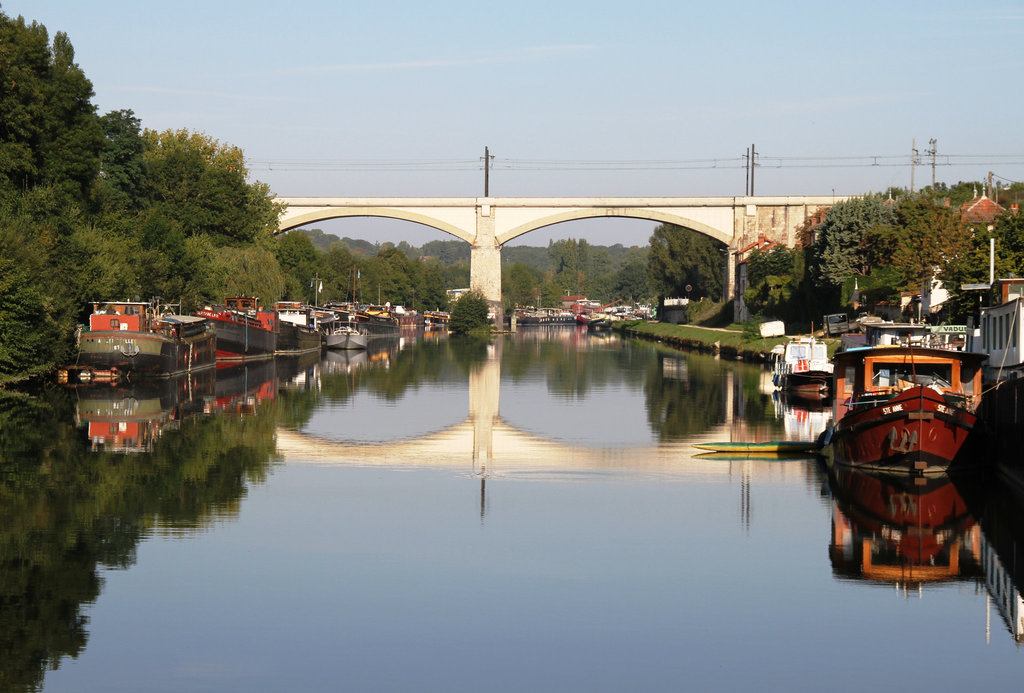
[[316, 289]]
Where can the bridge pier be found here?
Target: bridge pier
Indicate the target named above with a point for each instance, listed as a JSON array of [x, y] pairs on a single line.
[[485, 262]]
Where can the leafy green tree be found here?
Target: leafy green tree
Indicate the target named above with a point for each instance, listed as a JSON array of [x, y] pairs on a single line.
[[200, 185], [570, 260], [430, 292], [298, 259], [771, 279], [841, 251], [631, 277], [249, 271], [49, 133], [337, 268], [121, 169], [519, 285], [469, 312], [551, 292], [447, 252], [33, 336], [71, 150], [679, 257]]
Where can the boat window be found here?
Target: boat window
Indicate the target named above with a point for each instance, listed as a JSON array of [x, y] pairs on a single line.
[[907, 374], [798, 352], [849, 378], [820, 352]]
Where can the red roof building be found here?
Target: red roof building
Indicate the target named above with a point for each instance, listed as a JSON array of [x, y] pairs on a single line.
[[980, 210]]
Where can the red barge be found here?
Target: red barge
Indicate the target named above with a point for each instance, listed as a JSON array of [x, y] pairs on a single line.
[[244, 330], [905, 409]]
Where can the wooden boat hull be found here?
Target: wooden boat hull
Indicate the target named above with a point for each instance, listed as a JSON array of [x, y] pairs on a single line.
[[914, 431]]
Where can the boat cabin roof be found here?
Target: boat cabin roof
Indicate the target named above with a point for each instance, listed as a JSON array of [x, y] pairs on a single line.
[[901, 354], [242, 302]]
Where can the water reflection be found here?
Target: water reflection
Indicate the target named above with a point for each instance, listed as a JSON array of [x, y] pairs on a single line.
[[904, 531], [129, 417], [998, 503], [87, 474], [78, 499]]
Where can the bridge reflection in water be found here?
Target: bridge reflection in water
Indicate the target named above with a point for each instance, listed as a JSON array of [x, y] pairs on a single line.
[[487, 445]]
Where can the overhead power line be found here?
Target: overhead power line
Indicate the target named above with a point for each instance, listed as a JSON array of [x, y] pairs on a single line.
[[568, 165]]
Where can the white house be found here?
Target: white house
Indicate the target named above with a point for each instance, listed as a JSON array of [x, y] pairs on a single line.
[[1000, 336]]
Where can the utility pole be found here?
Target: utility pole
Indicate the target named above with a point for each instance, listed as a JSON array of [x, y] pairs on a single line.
[[932, 150], [746, 173], [487, 172], [753, 162], [913, 160]]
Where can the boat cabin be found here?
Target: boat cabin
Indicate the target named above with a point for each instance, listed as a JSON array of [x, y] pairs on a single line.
[[242, 303], [129, 316], [866, 376]]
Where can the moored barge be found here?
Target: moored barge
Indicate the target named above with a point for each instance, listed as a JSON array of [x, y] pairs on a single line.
[[244, 330], [128, 339], [905, 409]]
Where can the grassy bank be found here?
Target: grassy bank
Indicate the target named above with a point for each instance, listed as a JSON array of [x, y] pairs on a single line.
[[729, 342]]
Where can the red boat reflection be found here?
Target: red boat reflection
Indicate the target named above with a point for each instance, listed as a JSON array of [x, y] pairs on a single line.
[[901, 530]]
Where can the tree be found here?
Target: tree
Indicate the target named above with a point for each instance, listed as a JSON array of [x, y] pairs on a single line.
[[121, 169], [519, 285], [631, 278], [679, 257], [200, 185], [570, 260], [49, 133], [841, 251], [430, 292], [71, 150], [469, 312], [297, 258], [771, 279], [249, 272]]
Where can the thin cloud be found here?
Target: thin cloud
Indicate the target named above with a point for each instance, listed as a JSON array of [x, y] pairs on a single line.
[[839, 102], [204, 93], [516, 56]]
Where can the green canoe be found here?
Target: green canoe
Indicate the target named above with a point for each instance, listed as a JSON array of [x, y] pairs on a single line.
[[768, 446]]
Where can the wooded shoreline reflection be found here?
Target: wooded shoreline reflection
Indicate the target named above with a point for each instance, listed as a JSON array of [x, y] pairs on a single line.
[[69, 508], [86, 475]]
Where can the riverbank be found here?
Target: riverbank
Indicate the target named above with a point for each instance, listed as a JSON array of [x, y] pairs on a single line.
[[725, 342]]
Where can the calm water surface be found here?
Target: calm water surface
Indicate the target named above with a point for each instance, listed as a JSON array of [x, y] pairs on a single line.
[[450, 515]]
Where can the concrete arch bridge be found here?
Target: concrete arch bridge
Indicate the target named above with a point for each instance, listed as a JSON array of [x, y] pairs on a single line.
[[487, 223]]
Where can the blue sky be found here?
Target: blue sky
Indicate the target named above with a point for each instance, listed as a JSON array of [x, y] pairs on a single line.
[[323, 95]]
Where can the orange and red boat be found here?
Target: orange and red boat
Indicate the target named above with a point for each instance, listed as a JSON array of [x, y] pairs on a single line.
[[907, 409], [132, 339], [244, 330]]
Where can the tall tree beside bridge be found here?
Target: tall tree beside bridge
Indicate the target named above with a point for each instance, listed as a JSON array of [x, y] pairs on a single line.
[[679, 258], [840, 248]]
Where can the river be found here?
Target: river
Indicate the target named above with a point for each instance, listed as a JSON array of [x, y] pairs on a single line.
[[442, 514]]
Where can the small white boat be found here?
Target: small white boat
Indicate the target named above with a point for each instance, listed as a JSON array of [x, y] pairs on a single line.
[[341, 332]]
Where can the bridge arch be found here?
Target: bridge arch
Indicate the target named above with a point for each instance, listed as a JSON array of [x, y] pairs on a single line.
[[720, 235], [297, 220]]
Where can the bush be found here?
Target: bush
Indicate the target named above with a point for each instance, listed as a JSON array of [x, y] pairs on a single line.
[[469, 313]]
